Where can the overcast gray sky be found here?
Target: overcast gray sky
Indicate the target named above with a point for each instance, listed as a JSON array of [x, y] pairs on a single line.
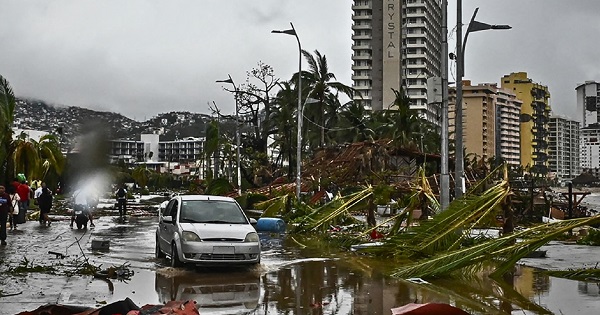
[[142, 57]]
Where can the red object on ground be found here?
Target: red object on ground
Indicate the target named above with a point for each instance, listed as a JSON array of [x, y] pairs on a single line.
[[428, 309], [170, 308], [375, 235]]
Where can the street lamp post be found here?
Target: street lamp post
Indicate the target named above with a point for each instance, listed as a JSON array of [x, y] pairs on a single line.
[[237, 133], [292, 31], [444, 176], [474, 26]]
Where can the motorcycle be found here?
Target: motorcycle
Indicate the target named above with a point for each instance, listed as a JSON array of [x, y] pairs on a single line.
[[82, 216]]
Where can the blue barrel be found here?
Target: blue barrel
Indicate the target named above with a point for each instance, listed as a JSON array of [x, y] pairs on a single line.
[[270, 225]]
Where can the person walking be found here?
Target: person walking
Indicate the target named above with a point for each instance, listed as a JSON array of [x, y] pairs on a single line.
[[4, 209], [36, 196], [121, 194], [45, 203], [14, 211], [24, 191]]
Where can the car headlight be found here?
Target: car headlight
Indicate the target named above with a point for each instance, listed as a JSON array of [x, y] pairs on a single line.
[[190, 236], [252, 237]]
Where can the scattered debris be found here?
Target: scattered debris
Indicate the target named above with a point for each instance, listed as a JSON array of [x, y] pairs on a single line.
[[122, 273], [58, 255], [120, 307], [26, 266], [2, 294]]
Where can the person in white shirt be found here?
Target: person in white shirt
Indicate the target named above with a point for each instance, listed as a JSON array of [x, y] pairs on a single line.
[[36, 194], [38, 191]]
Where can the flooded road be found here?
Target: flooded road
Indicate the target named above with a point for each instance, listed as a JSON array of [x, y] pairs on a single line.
[[288, 281]]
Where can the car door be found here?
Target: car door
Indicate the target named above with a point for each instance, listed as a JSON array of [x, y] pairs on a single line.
[[167, 225]]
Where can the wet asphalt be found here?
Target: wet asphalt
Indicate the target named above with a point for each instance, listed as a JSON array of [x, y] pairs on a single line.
[[131, 242]]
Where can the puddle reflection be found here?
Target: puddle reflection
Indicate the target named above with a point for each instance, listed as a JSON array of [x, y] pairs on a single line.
[[215, 291], [333, 287]]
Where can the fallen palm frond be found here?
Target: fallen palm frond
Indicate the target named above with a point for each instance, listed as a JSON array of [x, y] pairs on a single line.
[[273, 207], [592, 238], [397, 220], [505, 251], [583, 274], [422, 197], [423, 188], [331, 213], [447, 230], [284, 206], [28, 266]]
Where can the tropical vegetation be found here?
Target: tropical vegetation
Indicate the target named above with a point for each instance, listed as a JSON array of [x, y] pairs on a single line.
[[20, 154]]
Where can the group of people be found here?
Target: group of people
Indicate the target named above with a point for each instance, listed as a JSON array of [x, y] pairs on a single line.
[[15, 201]]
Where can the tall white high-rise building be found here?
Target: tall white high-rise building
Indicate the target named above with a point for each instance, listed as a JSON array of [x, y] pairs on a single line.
[[396, 44], [588, 115], [588, 103], [563, 147]]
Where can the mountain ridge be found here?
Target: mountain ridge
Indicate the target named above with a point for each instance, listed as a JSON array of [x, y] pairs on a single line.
[[67, 122]]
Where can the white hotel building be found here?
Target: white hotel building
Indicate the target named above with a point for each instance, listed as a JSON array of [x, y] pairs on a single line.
[[178, 157]]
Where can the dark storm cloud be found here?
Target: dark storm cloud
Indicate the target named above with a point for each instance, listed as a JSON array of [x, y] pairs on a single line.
[[141, 58]]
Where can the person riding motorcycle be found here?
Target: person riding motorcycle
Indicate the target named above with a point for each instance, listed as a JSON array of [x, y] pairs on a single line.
[[83, 201]]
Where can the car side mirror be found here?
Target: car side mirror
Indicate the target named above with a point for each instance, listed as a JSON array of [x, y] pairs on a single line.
[[253, 221], [167, 219]]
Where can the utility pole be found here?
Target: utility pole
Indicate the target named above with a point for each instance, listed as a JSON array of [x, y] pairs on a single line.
[[444, 176], [458, 122]]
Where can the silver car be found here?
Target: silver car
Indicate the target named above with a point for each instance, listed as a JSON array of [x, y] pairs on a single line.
[[206, 230]]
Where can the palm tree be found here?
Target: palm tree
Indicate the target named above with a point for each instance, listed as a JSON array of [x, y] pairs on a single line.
[[403, 125], [37, 159], [318, 81], [354, 124], [141, 175], [7, 108]]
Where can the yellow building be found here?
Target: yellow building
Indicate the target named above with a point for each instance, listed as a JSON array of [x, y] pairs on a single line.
[[535, 115]]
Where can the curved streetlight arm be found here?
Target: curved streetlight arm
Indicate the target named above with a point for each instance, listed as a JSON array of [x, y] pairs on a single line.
[[475, 26], [464, 43]]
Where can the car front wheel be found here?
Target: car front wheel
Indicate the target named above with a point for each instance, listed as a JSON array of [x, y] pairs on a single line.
[[175, 262]]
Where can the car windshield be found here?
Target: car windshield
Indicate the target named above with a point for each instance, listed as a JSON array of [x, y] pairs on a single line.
[[211, 211]]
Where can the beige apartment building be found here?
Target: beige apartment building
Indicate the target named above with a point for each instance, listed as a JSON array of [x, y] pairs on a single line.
[[490, 121]]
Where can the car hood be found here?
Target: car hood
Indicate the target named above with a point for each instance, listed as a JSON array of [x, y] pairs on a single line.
[[220, 231]]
